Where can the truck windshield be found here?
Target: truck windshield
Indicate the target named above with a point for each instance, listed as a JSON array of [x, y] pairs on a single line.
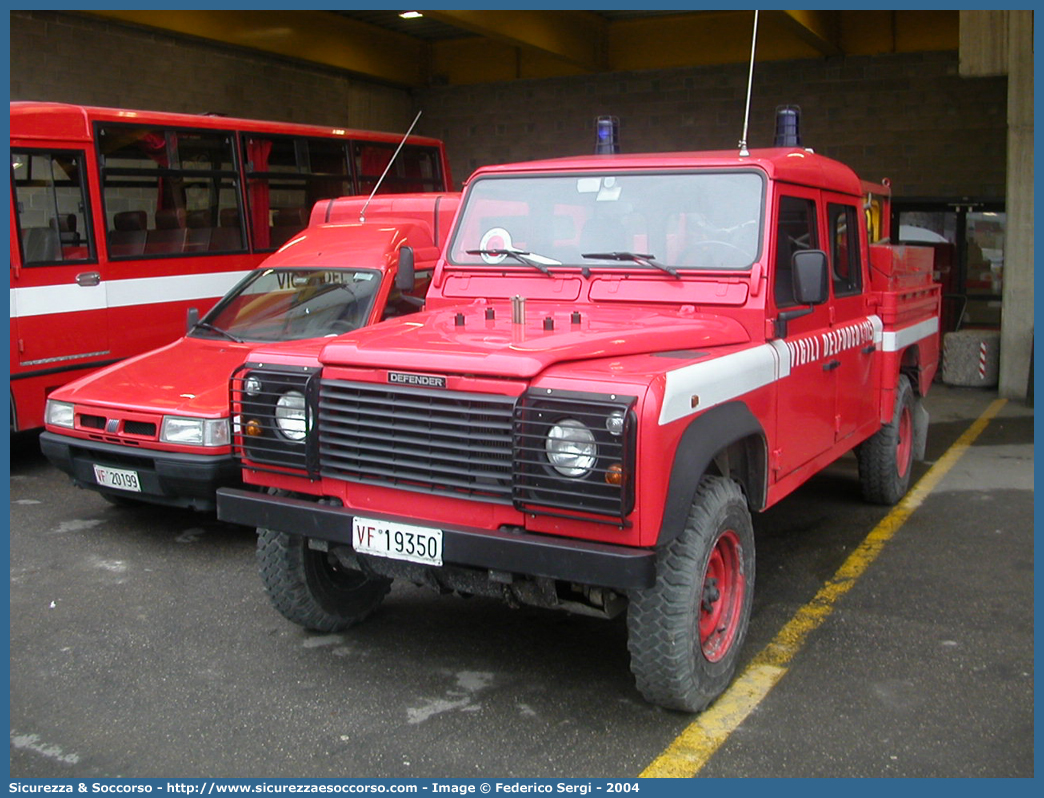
[[689, 220], [290, 304]]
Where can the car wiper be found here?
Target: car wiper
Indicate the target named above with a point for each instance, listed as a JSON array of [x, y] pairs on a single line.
[[206, 325], [634, 257], [528, 258]]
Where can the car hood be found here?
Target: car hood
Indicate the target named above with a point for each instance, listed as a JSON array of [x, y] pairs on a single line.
[[189, 376], [464, 340]]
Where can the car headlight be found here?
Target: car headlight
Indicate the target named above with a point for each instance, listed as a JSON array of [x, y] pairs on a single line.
[[291, 417], [195, 431], [571, 448], [60, 414]]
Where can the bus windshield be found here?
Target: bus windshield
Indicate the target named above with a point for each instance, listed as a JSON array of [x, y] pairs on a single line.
[[290, 304], [694, 220]]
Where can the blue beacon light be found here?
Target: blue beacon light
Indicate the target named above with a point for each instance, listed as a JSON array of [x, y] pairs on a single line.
[[607, 130]]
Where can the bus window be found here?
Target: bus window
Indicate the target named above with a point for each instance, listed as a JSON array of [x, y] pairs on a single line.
[[169, 192], [415, 169], [51, 201], [286, 176]]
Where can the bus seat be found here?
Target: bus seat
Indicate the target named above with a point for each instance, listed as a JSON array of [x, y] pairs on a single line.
[[67, 229], [41, 244], [198, 237], [170, 218], [128, 234], [170, 233], [228, 236], [288, 222]]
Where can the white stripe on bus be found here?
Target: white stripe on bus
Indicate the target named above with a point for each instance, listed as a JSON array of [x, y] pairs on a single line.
[[70, 298]]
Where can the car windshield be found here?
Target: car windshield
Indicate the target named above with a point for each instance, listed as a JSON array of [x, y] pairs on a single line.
[[290, 304], [682, 220]]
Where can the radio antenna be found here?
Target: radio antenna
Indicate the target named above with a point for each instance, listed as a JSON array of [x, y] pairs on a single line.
[[362, 213], [750, 82]]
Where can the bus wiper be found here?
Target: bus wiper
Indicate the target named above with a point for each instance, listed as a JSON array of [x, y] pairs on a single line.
[[528, 258], [206, 325], [634, 257]]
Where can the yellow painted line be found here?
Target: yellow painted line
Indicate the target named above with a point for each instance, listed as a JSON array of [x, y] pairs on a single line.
[[691, 749]]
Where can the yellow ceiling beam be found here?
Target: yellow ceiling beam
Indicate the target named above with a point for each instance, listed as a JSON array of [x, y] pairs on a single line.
[[700, 39], [819, 29], [575, 37], [315, 36]]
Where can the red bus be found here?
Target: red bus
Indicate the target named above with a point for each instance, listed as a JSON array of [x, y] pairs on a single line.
[[121, 221]]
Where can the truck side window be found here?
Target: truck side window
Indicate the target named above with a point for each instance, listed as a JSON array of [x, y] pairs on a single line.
[[844, 254], [796, 230]]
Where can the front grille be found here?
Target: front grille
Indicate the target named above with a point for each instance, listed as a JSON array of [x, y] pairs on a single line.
[[92, 422], [444, 442], [139, 428]]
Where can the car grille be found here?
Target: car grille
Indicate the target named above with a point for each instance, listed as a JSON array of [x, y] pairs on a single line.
[[431, 441]]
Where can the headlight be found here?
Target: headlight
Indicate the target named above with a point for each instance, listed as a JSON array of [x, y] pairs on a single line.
[[195, 431], [571, 448], [60, 414], [290, 415]]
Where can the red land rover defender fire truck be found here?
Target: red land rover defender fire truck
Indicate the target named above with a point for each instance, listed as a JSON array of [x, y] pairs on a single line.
[[622, 357], [156, 428]]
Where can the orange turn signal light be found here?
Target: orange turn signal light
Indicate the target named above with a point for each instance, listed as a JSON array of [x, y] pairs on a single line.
[[614, 474], [252, 427]]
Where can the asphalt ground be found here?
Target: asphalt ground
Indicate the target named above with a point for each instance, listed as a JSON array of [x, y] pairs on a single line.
[[142, 645]]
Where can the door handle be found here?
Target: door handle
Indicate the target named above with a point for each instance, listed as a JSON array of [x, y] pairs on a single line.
[[869, 350], [833, 364], [87, 279]]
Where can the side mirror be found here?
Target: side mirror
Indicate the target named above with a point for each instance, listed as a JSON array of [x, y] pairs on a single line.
[[811, 277], [811, 286], [405, 278], [193, 319]]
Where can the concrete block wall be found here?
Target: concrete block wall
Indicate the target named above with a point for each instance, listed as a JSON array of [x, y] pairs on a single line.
[[910, 117], [77, 59]]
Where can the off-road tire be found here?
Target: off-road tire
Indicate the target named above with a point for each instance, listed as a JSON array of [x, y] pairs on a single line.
[[886, 459], [310, 587], [684, 641]]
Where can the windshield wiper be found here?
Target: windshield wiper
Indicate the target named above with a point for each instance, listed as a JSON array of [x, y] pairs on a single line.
[[528, 258], [206, 325], [634, 257]]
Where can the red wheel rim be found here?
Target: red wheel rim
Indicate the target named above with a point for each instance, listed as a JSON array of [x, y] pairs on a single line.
[[904, 446], [721, 602]]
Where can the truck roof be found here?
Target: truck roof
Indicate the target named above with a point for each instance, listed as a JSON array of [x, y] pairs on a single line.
[[785, 164], [348, 245], [433, 211]]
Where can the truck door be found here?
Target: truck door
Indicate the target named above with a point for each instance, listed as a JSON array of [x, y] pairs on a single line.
[[850, 342], [805, 398]]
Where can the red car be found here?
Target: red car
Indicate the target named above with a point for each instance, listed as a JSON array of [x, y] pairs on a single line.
[[156, 427]]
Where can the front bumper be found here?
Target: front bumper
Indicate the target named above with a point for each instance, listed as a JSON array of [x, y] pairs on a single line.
[[168, 478], [580, 561]]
